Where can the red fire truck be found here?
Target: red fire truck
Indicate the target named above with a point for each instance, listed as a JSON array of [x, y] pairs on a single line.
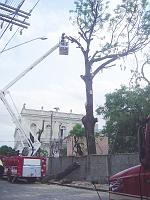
[[134, 183], [27, 165], [21, 167]]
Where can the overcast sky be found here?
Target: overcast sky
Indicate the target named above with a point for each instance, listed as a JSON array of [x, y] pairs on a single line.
[[56, 81]]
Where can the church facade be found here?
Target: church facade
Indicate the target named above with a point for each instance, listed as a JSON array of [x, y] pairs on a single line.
[[55, 126]]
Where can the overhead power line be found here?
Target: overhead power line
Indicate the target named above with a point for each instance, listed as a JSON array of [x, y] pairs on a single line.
[[20, 13], [13, 16]]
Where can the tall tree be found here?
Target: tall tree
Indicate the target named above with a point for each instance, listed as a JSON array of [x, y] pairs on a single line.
[[123, 110], [105, 36]]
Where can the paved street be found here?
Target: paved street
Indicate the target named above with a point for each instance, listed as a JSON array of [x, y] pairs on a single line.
[[37, 191]]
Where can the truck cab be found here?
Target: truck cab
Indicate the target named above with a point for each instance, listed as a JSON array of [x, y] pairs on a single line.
[[134, 183]]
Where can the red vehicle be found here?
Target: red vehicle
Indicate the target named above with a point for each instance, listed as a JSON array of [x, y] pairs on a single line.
[[21, 167], [134, 183], [28, 165]]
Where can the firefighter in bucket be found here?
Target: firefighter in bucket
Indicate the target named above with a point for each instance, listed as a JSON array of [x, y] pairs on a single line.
[[63, 45]]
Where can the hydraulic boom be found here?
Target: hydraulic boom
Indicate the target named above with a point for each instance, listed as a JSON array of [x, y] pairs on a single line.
[[29, 141]]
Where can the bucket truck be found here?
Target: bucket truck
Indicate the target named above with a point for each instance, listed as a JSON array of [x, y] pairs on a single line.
[[27, 165]]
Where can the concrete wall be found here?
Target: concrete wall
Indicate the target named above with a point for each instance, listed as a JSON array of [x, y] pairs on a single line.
[[120, 162], [93, 167]]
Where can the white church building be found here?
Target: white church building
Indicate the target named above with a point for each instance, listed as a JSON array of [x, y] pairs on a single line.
[[55, 125]]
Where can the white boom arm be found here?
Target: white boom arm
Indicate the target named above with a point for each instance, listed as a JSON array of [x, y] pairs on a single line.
[[26, 141], [30, 68], [31, 146]]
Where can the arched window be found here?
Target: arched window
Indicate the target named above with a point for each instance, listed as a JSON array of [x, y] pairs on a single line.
[[48, 126], [47, 130], [62, 131], [33, 127]]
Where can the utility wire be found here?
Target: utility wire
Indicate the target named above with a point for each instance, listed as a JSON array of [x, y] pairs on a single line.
[[18, 27], [34, 6], [19, 6], [9, 2], [9, 40]]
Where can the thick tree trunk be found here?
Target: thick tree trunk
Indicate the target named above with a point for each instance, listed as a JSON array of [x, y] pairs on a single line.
[[89, 120]]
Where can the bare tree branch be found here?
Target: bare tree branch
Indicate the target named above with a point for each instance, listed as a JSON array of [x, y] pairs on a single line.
[[113, 58], [143, 74], [73, 40], [118, 55], [138, 73], [102, 66]]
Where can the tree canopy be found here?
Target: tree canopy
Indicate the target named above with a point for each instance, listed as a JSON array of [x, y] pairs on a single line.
[[123, 110], [119, 30], [107, 33], [7, 151], [77, 130]]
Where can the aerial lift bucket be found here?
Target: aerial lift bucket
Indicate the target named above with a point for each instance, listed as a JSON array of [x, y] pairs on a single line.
[[63, 49], [63, 46]]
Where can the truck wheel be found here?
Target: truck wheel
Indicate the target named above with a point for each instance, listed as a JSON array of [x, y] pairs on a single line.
[[12, 179], [9, 178], [31, 180]]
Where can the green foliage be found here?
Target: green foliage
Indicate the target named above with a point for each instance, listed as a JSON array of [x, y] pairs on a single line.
[[43, 153], [122, 111], [86, 15], [85, 12], [77, 131], [7, 151], [119, 31], [108, 32]]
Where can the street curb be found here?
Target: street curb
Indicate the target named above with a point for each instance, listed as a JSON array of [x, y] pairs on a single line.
[[79, 187]]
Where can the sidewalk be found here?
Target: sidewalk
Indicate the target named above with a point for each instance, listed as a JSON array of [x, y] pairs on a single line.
[[82, 185]]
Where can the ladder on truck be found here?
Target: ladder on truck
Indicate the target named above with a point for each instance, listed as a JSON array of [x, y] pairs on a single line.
[[29, 141]]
